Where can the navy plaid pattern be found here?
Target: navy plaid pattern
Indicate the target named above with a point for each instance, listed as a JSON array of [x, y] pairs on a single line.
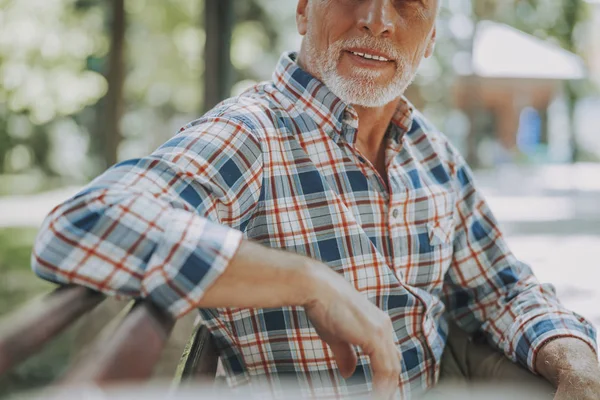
[[278, 165]]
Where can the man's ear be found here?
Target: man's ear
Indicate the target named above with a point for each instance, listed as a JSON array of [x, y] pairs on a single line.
[[431, 43], [302, 16]]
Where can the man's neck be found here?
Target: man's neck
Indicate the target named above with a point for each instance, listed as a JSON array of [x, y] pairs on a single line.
[[373, 124]]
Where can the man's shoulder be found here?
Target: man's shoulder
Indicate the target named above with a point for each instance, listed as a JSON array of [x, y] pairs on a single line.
[[255, 110]]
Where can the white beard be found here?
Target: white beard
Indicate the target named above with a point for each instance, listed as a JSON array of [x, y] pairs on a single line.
[[362, 88]]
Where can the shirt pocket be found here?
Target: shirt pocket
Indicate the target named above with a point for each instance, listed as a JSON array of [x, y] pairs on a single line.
[[441, 231], [432, 254]]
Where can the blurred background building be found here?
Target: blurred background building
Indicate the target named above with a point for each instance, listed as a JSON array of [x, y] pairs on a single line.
[[515, 84]]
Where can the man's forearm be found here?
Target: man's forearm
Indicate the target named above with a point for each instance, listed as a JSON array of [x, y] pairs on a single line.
[[260, 277], [567, 361]]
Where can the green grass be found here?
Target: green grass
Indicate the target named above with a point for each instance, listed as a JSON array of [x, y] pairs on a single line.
[[18, 284], [17, 281]]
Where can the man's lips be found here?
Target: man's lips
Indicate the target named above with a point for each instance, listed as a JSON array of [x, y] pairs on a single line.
[[361, 61], [369, 54]]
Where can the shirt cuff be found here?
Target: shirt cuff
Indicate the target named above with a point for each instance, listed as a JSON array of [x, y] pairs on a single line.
[[194, 252], [525, 341]]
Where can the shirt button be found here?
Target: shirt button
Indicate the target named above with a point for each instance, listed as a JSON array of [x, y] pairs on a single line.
[[362, 160], [395, 213]]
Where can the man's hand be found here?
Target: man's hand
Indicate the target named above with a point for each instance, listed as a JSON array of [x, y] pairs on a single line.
[[343, 317], [572, 366], [259, 277]]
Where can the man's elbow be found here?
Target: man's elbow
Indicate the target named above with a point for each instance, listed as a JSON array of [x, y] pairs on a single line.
[[47, 259], [59, 240]]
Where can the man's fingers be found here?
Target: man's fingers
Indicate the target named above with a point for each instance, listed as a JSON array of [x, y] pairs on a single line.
[[385, 367], [345, 358], [385, 389]]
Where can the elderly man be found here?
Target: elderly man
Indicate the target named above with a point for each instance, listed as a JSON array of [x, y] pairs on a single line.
[[328, 234]]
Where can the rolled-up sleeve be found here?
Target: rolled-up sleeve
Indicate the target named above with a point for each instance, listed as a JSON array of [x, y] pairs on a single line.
[[488, 289], [163, 227]]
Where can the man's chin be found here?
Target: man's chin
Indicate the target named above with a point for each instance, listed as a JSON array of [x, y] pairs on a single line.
[[365, 97], [366, 77], [361, 91]]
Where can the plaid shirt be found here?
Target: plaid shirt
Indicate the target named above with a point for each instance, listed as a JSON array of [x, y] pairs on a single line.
[[278, 166]]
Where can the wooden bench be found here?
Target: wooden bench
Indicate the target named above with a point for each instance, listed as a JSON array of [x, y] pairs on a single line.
[[129, 354]]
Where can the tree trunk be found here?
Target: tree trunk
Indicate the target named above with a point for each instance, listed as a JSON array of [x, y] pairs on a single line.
[[218, 72], [572, 9], [114, 103]]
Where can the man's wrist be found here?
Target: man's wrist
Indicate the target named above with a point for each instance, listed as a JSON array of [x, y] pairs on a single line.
[[317, 281], [304, 277]]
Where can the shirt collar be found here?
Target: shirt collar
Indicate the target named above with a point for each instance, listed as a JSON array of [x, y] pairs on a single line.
[[326, 109]]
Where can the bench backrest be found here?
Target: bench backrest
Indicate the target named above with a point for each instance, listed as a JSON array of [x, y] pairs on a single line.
[[129, 354]]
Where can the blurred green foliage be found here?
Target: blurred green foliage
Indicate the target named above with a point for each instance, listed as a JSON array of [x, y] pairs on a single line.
[[53, 78]]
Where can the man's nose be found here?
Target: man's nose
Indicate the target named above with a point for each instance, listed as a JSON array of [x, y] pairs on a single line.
[[376, 17]]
